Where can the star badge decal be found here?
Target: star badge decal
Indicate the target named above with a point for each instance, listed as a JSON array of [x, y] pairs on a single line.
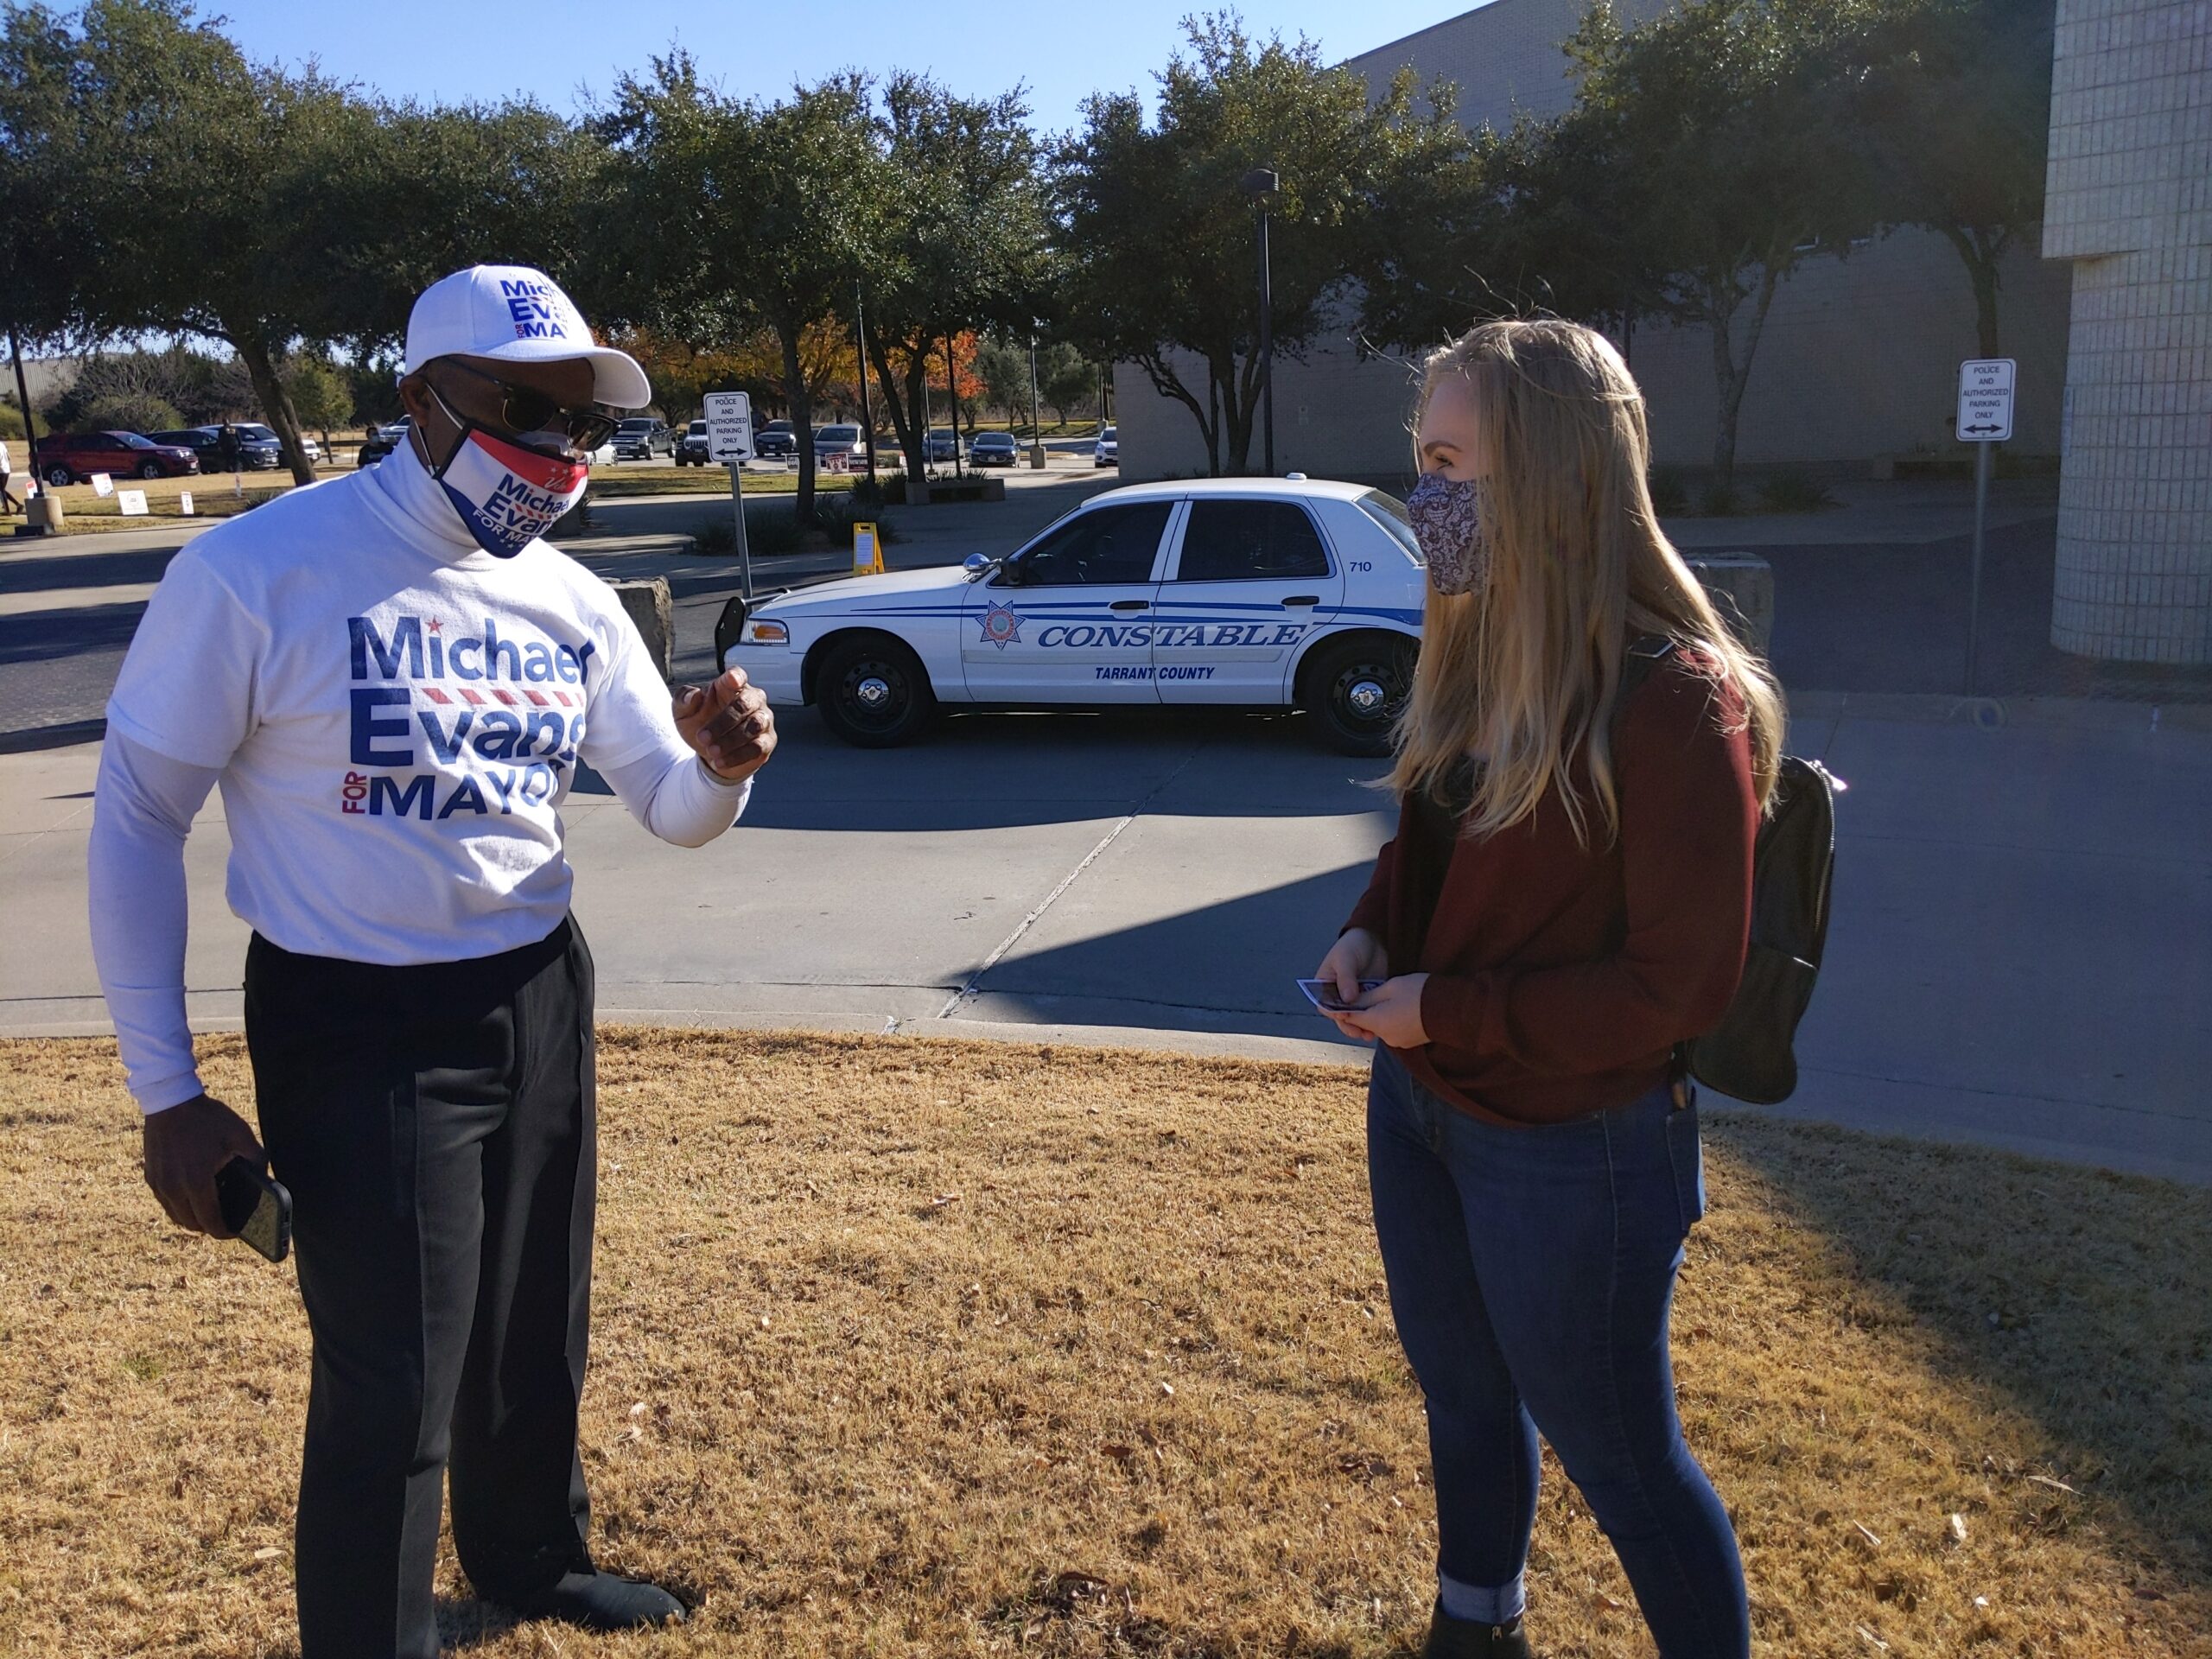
[[1003, 626]]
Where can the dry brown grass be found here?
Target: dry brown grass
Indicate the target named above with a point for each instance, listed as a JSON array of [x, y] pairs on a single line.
[[922, 1348]]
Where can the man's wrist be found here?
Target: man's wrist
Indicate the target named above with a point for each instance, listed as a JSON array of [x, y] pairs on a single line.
[[159, 1098], [720, 780]]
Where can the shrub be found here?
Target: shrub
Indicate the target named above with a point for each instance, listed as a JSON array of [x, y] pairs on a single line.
[[716, 538], [836, 515], [1794, 492], [1668, 493]]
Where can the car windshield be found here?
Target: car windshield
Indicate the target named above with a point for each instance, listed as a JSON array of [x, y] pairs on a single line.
[[839, 435], [131, 440], [697, 428], [1109, 434], [635, 426], [995, 440], [1388, 511], [259, 433]]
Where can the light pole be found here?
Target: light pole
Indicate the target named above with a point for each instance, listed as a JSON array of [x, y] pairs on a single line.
[[1036, 411], [860, 350], [1260, 184]]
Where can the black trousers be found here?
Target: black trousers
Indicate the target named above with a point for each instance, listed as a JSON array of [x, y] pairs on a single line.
[[436, 1127]]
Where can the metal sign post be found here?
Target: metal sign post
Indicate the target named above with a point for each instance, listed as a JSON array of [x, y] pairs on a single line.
[[730, 442], [1985, 420]]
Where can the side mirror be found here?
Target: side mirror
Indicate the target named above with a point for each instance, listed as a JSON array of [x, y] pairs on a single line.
[[974, 562], [727, 628]]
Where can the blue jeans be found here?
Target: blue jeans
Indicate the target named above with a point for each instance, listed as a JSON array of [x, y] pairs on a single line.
[[1530, 1271]]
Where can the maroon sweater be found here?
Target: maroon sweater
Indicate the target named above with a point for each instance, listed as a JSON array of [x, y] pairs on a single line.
[[1561, 977]]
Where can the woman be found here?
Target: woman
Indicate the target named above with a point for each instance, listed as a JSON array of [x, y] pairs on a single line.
[[1553, 916]]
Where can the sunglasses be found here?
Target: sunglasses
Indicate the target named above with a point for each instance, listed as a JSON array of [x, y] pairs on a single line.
[[526, 410]]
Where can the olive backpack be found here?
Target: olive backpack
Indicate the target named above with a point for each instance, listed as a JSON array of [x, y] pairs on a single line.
[[1749, 1054]]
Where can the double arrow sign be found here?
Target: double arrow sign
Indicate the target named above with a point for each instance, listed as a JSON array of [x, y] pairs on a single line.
[[1985, 400]]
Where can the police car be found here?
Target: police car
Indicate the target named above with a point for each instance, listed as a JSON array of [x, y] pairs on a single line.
[[1253, 593]]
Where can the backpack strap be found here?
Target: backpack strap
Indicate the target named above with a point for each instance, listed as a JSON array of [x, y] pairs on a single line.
[[1645, 652]]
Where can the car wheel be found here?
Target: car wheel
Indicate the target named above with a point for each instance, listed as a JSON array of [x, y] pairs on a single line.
[[150, 469], [59, 476], [873, 692], [1355, 692]]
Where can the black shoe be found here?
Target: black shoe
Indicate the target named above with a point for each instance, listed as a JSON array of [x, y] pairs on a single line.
[[1467, 1638], [603, 1601]]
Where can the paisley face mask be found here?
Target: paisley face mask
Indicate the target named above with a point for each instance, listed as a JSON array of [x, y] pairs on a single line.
[[1452, 520], [508, 495]]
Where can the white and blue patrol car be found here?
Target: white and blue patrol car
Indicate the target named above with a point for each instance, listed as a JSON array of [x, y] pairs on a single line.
[[1254, 593]]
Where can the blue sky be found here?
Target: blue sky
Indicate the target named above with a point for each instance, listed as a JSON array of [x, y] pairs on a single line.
[[455, 49]]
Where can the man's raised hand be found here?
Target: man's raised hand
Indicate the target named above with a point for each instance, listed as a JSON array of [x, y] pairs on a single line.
[[729, 723]]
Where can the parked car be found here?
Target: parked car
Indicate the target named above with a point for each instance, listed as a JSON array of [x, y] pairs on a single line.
[[831, 442], [1240, 593], [381, 440], [259, 448], [73, 457], [200, 440], [311, 449], [602, 456], [691, 450], [942, 442], [992, 449], [641, 438], [1108, 451], [775, 442]]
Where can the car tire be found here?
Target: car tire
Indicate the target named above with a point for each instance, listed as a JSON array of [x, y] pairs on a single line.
[[150, 469], [873, 692], [60, 476], [1355, 692]]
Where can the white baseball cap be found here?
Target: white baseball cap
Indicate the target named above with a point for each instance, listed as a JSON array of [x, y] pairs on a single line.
[[516, 315]]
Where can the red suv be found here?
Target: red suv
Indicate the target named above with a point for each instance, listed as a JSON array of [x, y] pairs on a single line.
[[71, 457]]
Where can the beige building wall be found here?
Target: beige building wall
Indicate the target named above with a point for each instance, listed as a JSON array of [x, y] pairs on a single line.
[[1859, 357], [2129, 202]]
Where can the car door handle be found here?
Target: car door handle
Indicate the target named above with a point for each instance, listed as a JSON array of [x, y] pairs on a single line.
[[1130, 605], [1302, 599]]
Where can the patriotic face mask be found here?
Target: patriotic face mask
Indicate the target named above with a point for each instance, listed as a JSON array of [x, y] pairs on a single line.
[[507, 494]]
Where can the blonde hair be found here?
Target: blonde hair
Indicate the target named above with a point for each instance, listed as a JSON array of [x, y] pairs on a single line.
[[1524, 671]]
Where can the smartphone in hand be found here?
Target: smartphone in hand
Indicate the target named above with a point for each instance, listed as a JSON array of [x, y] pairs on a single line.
[[255, 1207], [1322, 993]]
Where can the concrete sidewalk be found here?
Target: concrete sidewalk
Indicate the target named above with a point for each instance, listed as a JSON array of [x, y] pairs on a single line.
[[2021, 955]]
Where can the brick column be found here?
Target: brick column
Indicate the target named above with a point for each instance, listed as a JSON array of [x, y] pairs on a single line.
[[2129, 200]]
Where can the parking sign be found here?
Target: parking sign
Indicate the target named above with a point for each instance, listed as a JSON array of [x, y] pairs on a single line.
[[729, 427], [1985, 400]]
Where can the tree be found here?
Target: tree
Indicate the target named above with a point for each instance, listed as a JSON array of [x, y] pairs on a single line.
[[1159, 234], [1706, 142], [414, 192], [319, 393], [964, 248], [1066, 378], [1951, 108], [39, 156], [155, 95], [720, 215], [189, 192], [1003, 368]]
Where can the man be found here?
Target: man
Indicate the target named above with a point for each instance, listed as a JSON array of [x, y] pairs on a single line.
[[394, 680], [7, 502], [229, 451]]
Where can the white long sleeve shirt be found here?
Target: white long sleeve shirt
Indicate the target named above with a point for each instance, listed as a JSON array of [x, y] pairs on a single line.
[[394, 717]]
